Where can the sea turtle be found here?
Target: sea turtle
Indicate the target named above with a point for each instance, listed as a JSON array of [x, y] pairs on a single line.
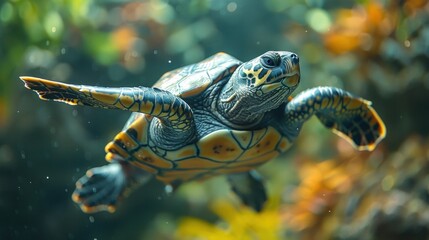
[[218, 116]]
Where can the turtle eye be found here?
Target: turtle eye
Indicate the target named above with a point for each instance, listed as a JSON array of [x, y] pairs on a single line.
[[270, 60]]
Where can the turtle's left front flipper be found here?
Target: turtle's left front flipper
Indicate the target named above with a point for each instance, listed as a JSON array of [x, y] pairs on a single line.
[[350, 117], [173, 111]]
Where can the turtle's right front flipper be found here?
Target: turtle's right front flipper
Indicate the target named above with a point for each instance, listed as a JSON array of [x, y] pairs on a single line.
[[173, 111]]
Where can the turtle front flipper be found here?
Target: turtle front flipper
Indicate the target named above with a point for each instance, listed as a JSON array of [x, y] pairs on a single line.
[[172, 110], [350, 117], [102, 187], [249, 187]]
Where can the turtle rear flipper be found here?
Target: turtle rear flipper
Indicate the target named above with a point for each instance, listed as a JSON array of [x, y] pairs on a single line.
[[249, 188], [102, 187], [350, 117]]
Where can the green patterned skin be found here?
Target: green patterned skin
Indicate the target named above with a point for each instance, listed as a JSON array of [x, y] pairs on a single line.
[[218, 116]]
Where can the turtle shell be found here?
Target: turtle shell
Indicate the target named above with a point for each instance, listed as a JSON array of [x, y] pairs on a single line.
[[193, 79], [220, 152]]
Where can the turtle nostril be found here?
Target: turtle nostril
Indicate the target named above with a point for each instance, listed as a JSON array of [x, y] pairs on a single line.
[[295, 58]]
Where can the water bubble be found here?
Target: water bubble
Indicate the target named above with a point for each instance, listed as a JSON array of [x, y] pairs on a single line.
[[48, 43], [53, 29], [155, 52], [407, 43], [22, 154], [66, 190], [91, 219], [63, 51], [17, 111], [169, 61], [231, 7], [47, 177], [74, 113]]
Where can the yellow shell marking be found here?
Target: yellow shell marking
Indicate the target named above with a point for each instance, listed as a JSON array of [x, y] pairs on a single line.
[[265, 145], [243, 138], [219, 146], [185, 152], [127, 140], [222, 151], [145, 155]]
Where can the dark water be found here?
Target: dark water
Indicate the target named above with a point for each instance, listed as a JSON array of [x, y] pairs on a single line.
[[377, 51]]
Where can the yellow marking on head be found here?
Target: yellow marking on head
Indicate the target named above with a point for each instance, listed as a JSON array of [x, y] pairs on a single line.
[[260, 81]]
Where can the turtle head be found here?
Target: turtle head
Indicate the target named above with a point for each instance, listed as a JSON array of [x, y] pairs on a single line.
[[272, 71], [260, 85]]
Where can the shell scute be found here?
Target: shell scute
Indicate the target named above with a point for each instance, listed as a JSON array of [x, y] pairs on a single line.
[[219, 146]]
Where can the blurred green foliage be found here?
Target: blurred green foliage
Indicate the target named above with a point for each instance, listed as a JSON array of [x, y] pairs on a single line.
[[376, 49]]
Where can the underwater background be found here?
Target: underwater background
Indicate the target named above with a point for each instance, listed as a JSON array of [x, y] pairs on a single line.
[[321, 189]]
